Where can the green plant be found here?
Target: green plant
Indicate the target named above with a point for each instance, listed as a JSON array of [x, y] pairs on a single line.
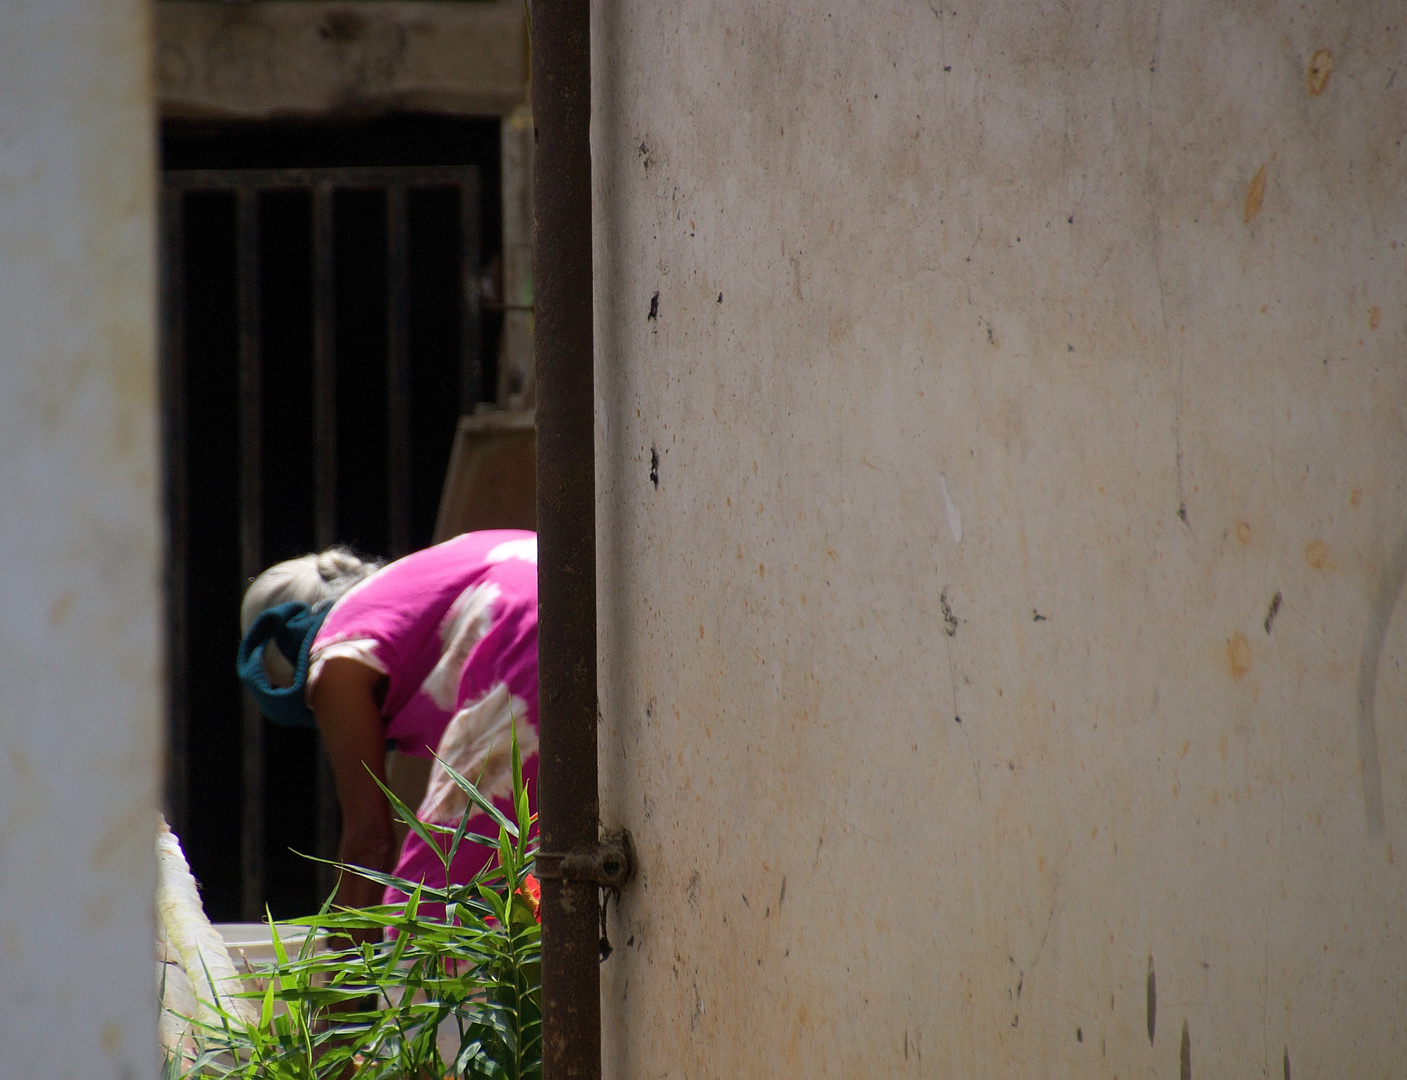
[[376, 1011]]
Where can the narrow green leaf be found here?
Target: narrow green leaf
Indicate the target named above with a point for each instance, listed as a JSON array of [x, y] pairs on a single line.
[[407, 815], [478, 798], [266, 1013]]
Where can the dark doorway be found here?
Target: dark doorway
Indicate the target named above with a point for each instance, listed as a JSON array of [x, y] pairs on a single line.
[[322, 336]]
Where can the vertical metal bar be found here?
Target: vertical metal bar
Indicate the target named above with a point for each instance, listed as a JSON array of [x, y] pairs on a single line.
[[566, 514], [325, 481], [470, 363], [324, 371], [173, 411], [251, 530], [397, 371]]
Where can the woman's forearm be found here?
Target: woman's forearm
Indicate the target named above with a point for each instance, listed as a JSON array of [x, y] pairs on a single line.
[[344, 701], [372, 848]]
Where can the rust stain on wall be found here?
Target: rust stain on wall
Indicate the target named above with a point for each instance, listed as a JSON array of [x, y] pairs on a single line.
[[1238, 655], [1375, 316], [1321, 66], [1316, 553], [1255, 194]]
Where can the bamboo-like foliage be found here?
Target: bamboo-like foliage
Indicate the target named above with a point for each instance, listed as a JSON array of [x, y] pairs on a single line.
[[381, 1011]]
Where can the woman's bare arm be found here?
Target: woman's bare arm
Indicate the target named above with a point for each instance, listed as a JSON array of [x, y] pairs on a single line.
[[344, 701]]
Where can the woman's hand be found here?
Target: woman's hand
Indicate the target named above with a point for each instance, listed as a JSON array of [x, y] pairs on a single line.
[[345, 701]]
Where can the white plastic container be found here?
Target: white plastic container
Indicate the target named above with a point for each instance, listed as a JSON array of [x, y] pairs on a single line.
[[251, 947]]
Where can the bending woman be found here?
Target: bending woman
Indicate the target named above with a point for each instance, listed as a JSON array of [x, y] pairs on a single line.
[[436, 652]]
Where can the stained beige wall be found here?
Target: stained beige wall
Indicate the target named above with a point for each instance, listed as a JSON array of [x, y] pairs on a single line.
[[80, 649], [1040, 366]]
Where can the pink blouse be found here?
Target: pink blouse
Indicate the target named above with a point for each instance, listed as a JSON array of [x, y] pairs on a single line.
[[454, 630]]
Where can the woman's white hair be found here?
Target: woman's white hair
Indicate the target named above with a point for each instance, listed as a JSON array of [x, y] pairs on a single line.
[[308, 579]]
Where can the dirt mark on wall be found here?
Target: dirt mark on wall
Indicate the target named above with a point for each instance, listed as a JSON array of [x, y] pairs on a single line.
[[1321, 66], [1238, 655], [1255, 194], [1152, 1002], [1374, 635], [1273, 610]]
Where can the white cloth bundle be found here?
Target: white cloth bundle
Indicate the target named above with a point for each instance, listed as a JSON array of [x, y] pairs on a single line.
[[198, 978]]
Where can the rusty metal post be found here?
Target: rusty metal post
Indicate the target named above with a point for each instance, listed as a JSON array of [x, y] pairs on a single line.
[[566, 515], [251, 536], [329, 818], [398, 369]]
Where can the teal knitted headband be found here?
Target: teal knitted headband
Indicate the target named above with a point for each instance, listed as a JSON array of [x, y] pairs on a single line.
[[292, 627]]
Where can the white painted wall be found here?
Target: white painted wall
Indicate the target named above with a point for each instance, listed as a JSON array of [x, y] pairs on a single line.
[[959, 304], [79, 664]]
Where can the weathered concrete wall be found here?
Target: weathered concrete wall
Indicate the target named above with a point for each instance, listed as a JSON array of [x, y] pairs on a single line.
[[79, 642], [311, 57], [1003, 499]]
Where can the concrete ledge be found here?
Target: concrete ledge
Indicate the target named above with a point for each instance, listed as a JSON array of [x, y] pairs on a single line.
[[307, 58], [491, 482]]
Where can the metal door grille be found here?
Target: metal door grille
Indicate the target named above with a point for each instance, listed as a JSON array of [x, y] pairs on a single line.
[[249, 189]]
